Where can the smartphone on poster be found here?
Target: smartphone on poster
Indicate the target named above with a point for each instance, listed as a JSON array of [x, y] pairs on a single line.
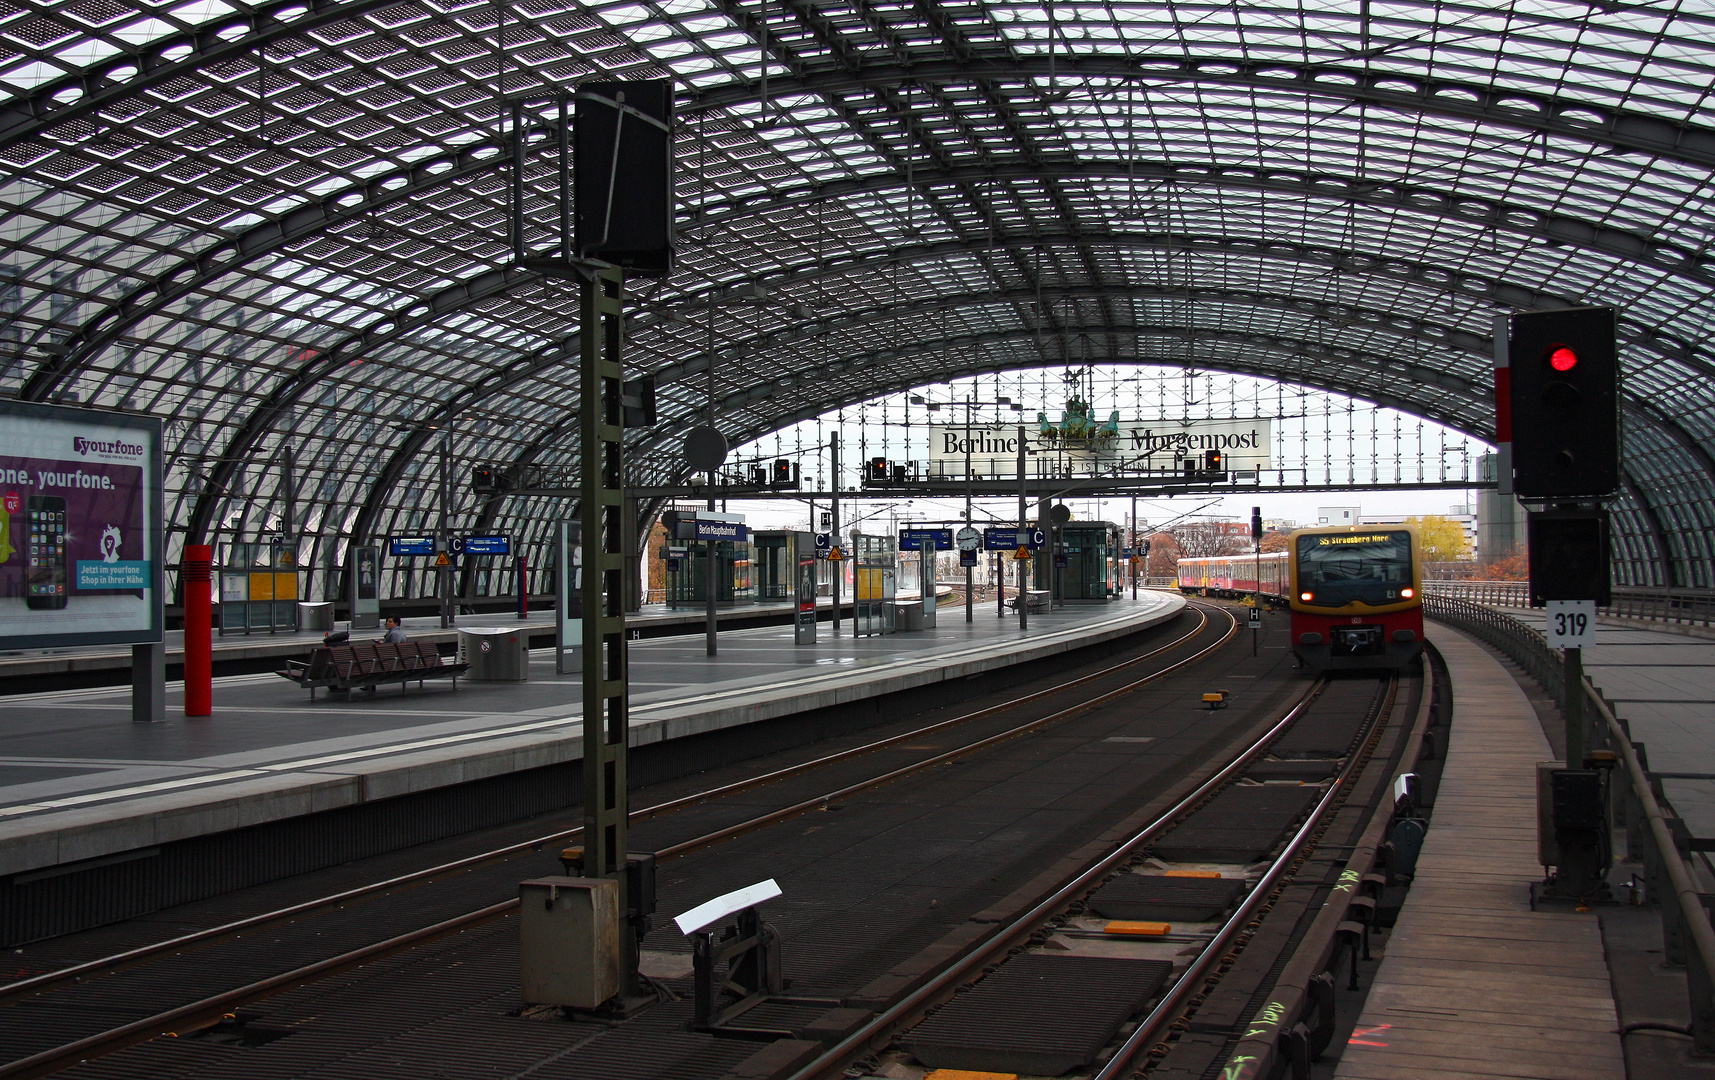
[[45, 552]]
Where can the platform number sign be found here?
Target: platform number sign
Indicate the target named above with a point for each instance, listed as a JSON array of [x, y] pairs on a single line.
[[1571, 624]]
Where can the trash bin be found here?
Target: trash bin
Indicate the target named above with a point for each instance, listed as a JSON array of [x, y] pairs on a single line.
[[495, 653], [316, 616]]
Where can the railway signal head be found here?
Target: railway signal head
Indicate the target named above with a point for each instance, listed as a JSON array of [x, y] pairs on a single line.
[[1212, 461], [877, 470], [1563, 382]]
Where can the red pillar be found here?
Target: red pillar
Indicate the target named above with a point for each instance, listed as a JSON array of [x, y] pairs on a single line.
[[523, 587], [198, 577]]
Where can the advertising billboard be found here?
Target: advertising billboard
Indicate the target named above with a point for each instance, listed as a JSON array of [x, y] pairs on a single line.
[[80, 527], [1113, 445]]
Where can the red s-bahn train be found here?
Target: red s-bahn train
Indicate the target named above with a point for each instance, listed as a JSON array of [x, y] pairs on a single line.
[[1356, 594]]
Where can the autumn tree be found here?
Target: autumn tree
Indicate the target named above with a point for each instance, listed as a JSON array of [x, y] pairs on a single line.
[[1276, 540], [1209, 539], [1164, 556], [1440, 538], [1514, 567]]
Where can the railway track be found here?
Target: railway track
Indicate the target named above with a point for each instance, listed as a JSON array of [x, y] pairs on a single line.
[[86, 987], [980, 1034]]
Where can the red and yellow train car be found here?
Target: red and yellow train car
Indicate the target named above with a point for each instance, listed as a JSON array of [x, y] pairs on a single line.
[[1356, 594], [1236, 575], [1356, 597]]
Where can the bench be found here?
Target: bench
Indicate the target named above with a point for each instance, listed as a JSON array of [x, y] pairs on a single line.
[[365, 666], [1036, 598]]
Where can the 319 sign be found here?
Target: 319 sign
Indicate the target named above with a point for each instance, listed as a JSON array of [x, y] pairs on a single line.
[[1571, 624]]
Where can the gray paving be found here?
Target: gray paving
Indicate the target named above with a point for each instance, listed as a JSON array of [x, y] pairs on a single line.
[[79, 779], [1662, 682], [21, 664]]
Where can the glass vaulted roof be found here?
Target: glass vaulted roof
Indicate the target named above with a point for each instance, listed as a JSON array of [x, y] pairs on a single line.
[[283, 225]]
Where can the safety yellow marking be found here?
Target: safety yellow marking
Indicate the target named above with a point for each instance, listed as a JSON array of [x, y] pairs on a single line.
[[1138, 929], [1193, 873]]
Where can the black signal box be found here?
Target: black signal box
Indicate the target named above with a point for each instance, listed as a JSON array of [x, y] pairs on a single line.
[[1569, 556], [1562, 403]]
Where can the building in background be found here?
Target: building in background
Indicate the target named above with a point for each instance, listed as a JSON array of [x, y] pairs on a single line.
[[1500, 519]]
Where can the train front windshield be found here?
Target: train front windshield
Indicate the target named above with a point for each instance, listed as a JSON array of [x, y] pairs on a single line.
[[1338, 568]]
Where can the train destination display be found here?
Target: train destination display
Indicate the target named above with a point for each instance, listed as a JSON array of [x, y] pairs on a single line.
[[80, 526]]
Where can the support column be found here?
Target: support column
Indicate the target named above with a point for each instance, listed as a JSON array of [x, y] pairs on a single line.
[[197, 574], [606, 705], [633, 560], [149, 682], [1023, 525]]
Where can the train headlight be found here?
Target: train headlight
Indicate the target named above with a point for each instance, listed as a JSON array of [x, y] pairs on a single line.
[[1306, 597], [1406, 593]]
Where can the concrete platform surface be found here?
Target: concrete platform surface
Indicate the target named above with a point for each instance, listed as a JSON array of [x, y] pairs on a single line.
[[19, 665], [1661, 681], [1474, 983], [79, 780]]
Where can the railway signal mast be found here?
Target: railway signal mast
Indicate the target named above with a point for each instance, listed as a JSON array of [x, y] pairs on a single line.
[[1557, 418]]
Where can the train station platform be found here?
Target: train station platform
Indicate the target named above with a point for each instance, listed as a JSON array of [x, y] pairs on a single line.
[[81, 783], [1474, 983], [260, 647], [1660, 678]]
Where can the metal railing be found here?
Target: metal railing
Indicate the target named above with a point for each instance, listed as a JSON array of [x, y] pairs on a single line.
[[1502, 593], [1694, 607], [1655, 835]]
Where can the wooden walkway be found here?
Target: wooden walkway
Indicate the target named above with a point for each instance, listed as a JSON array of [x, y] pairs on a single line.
[[1474, 983]]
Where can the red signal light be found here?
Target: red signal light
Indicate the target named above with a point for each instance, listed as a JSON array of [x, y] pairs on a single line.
[[1562, 359]]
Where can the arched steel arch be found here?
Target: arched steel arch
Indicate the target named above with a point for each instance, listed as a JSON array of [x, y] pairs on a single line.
[[302, 223], [1622, 129], [1420, 274]]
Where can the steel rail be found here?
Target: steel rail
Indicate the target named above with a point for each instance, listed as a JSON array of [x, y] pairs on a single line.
[[199, 1013], [12, 992], [206, 1010], [1174, 1000], [885, 1024], [817, 802]]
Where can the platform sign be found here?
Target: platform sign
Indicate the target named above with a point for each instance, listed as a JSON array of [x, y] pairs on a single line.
[[1254, 619], [967, 558], [804, 622], [1036, 539], [80, 527], [721, 530], [1571, 624], [495, 544], [365, 593], [824, 544], [1000, 539], [917, 539], [399, 546]]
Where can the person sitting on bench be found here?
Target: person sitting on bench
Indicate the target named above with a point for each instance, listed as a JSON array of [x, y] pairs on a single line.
[[395, 634]]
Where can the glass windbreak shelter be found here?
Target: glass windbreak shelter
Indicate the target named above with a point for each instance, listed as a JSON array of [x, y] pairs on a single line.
[[687, 585], [1088, 573], [774, 558], [258, 588], [874, 584]]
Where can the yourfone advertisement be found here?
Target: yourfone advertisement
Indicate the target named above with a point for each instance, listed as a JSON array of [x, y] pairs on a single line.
[[80, 527]]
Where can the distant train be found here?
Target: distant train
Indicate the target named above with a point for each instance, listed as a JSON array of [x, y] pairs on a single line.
[[1356, 594]]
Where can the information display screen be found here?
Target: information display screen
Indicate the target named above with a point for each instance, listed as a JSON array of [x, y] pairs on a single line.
[[411, 545], [918, 539], [488, 545], [80, 526]]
